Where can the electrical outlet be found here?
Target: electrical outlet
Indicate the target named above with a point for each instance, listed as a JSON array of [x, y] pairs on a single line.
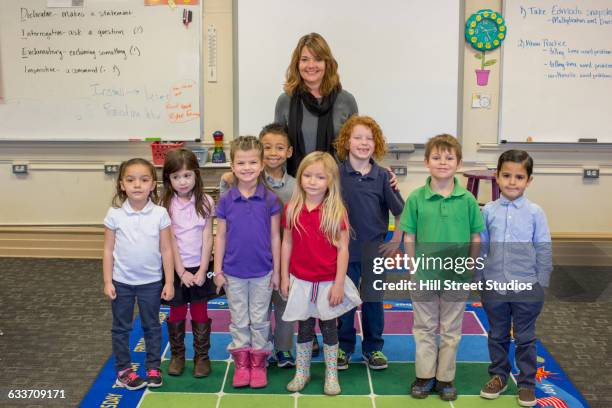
[[399, 170], [481, 100], [20, 169], [110, 169], [590, 173]]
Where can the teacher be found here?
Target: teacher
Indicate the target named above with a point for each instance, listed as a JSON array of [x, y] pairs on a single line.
[[313, 105]]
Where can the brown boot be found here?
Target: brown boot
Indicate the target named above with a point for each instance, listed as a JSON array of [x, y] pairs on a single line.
[[176, 336], [201, 345]]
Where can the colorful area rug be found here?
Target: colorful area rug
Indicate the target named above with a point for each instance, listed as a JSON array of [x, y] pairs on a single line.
[[361, 387]]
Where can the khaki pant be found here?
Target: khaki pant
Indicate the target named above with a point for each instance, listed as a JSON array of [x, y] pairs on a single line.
[[431, 312]]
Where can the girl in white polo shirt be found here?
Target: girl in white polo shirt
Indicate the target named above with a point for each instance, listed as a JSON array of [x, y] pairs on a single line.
[[136, 243], [191, 212]]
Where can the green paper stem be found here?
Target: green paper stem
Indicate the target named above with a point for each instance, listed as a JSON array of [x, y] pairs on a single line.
[[483, 62]]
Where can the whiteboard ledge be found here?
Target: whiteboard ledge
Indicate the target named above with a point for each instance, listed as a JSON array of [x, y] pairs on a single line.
[[547, 147]]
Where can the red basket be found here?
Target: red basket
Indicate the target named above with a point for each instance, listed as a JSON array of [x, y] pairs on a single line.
[[159, 150]]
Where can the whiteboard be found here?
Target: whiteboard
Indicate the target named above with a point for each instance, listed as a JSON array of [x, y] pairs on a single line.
[[557, 71], [112, 70], [399, 58]]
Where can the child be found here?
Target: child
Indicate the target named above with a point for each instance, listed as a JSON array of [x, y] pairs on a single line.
[[247, 260], [518, 252], [369, 198], [191, 213], [276, 152], [136, 243], [441, 212], [315, 252]]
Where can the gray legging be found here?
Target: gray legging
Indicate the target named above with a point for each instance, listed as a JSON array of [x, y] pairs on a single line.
[[306, 331]]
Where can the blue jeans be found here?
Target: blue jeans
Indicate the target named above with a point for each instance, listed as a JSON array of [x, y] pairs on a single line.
[[148, 298], [372, 319], [522, 316]]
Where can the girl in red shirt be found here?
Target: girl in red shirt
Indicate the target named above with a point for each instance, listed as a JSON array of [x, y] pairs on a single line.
[[315, 253]]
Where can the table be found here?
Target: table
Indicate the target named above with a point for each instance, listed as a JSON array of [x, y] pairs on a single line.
[[474, 177]]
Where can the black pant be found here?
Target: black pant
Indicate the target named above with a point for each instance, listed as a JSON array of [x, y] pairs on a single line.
[[306, 331]]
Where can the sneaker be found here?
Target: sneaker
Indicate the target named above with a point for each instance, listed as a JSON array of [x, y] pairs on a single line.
[[343, 360], [284, 359], [316, 350], [493, 388], [376, 360], [272, 359], [154, 378], [130, 380], [422, 387], [526, 397], [447, 390]]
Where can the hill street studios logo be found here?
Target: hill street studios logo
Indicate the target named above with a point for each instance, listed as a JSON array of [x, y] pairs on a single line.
[[435, 273]]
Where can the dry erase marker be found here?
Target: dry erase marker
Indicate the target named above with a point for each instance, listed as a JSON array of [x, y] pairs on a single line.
[[187, 16]]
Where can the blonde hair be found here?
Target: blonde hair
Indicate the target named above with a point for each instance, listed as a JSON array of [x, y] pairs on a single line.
[[443, 142], [341, 144], [333, 211], [245, 143], [317, 45]]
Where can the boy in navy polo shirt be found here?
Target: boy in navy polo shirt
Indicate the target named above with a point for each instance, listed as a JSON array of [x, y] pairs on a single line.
[[369, 197]]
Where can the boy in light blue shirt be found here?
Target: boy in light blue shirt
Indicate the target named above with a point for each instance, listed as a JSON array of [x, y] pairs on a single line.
[[517, 244]]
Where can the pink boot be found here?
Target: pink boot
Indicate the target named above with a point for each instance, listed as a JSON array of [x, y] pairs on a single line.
[[259, 362], [242, 367]]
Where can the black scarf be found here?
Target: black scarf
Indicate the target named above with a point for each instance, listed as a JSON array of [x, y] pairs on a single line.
[[325, 125]]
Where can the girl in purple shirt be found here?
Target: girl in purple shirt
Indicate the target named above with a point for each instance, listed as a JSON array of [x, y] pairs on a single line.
[[247, 260], [191, 213]]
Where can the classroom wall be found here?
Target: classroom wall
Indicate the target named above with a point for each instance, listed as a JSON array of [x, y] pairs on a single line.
[[67, 185]]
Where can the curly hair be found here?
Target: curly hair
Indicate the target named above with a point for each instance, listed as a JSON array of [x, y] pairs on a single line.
[[341, 144], [276, 129]]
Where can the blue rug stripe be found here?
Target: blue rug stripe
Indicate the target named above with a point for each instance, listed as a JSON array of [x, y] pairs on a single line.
[[402, 348], [104, 392]]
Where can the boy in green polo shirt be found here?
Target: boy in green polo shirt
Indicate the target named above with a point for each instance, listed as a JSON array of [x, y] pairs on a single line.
[[441, 220]]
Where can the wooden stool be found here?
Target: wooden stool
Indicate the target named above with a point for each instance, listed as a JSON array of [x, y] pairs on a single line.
[[474, 177]]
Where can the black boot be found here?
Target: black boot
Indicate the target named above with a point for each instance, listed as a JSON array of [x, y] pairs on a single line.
[[201, 345], [176, 336]]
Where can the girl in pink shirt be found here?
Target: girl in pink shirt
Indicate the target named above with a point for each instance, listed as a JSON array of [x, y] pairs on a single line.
[[191, 213]]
